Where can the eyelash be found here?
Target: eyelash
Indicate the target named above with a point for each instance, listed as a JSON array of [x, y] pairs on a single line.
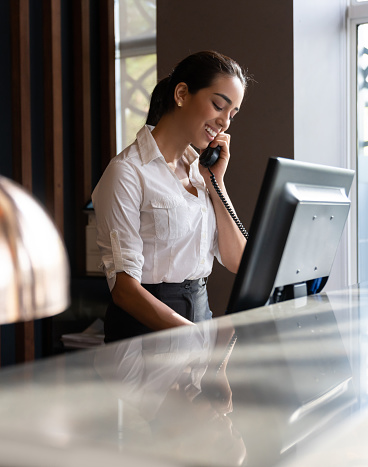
[[220, 109]]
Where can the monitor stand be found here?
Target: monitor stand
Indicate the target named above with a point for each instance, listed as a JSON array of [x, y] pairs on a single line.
[[301, 289]]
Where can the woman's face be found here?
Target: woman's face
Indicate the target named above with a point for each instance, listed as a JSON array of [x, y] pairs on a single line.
[[211, 110]]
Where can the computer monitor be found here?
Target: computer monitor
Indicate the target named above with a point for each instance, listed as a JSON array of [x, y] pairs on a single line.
[[294, 234]]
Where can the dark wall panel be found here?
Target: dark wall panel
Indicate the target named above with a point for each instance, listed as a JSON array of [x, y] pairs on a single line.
[[5, 90]]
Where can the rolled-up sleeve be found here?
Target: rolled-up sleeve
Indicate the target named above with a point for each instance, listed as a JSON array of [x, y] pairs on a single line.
[[116, 200]]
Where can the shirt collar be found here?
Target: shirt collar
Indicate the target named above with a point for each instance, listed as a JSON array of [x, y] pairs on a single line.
[[191, 154], [149, 150]]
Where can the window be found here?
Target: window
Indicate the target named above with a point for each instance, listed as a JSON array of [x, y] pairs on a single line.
[[362, 149], [135, 65], [358, 23]]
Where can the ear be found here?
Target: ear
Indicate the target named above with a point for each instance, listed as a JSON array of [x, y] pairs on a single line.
[[180, 93]]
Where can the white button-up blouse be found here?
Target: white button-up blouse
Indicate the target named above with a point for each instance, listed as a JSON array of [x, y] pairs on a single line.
[[148, 224]]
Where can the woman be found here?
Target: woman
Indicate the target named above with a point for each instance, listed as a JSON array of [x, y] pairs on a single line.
[[159, 221]]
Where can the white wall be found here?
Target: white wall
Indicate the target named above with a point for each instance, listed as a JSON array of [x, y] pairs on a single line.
[[320, 102]]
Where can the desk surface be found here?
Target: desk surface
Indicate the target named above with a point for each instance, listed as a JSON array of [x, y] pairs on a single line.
[[279, 385]]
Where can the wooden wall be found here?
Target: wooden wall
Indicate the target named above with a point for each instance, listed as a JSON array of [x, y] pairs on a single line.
[[60, 80]]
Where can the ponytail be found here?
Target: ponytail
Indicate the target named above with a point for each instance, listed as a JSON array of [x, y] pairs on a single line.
[[158, 102]]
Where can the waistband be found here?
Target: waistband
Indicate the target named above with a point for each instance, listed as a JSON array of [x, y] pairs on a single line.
[[174, 286]]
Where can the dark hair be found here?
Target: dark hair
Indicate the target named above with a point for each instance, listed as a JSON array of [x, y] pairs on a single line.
[[198, 71]]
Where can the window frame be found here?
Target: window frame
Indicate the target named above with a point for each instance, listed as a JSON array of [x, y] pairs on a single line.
[[357, 9]]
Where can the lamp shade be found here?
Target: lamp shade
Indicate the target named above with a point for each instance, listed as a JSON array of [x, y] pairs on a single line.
[[34, 268]]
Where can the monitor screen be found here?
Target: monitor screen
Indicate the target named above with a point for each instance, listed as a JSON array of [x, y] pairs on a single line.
[[294, 234]]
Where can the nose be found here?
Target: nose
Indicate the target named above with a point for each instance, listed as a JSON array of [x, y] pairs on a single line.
[[224, 120]]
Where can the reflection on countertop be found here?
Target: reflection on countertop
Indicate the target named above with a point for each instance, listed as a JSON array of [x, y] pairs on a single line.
[[258, 388]]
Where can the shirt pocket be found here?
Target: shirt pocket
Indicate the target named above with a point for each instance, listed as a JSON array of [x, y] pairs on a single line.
[[171, 217]]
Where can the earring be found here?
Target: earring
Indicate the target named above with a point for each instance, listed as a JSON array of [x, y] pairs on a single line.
[[179, 104]]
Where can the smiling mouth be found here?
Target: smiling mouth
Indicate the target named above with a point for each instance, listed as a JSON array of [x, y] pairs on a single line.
[[210, 131]]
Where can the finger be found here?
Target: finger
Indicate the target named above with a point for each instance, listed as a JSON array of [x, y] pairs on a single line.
[[224, 136], [222, 139]]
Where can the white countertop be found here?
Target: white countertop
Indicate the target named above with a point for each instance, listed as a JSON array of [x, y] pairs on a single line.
[[279, 385]]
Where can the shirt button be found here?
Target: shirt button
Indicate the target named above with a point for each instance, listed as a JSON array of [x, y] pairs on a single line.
[[204, 209], [202, 261]]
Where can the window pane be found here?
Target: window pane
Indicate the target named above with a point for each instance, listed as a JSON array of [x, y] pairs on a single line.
[[138, 81], [362, 152], [137, 18]]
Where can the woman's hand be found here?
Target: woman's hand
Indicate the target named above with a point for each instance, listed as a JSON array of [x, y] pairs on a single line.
[[220, 166]]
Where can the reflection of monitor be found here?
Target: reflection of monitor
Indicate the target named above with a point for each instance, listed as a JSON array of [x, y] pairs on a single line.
[[298, 222], [313, 390]]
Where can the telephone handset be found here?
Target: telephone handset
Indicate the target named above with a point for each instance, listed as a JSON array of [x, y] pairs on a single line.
[[209, 157]]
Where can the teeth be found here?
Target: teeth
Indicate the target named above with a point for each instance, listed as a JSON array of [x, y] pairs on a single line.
[[210, 131]]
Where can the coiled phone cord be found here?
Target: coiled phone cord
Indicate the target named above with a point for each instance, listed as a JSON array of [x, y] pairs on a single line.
[[227, 206]]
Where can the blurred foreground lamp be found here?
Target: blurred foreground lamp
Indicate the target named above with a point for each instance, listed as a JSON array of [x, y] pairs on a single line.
[[34, 269]]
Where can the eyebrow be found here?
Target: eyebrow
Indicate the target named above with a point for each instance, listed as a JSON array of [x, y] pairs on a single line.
[[229, 101]]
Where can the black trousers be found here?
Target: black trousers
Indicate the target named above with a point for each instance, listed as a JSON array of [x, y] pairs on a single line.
[[188, 298]]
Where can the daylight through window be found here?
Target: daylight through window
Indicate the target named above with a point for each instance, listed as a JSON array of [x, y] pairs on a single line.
[[135, 65]]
